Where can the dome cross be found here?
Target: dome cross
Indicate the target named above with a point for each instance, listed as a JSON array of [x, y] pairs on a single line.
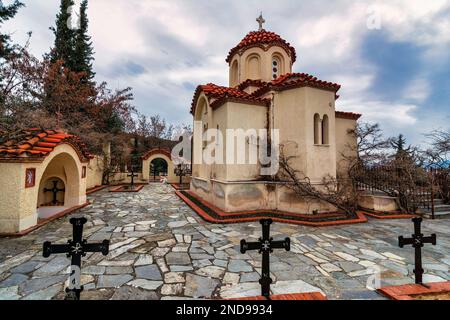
[[261, 21]]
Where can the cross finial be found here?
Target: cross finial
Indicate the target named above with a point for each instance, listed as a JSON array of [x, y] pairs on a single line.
[[261, 21]]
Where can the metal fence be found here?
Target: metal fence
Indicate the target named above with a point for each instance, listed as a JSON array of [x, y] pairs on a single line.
[[421, 186]]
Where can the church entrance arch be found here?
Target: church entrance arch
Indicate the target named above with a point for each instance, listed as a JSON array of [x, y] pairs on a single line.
[[158, 169]]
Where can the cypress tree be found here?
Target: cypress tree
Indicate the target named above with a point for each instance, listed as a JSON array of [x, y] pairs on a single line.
[[83, 47], [64, 46], [6, 13]]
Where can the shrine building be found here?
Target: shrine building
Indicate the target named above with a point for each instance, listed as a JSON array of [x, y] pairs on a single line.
[[264, 93], [43, 173]]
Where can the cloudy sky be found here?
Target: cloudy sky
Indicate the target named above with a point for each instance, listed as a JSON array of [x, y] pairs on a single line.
[[392, 57]]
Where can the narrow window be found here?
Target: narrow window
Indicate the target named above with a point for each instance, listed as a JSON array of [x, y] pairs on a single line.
[[275, 68], [325, 130], [317, 129]]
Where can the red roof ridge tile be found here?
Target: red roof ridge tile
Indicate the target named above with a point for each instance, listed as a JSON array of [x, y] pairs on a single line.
[[348, 115], [218, 95], [36, 143], [261, 38]]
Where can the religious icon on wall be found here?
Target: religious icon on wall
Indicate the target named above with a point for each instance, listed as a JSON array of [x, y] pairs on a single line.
[[30, 177], [83, 172]]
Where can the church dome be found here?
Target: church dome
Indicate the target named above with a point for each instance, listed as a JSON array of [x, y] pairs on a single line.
[[263, 39]]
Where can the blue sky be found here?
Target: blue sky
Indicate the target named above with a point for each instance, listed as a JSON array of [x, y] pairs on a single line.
[[392, 57]]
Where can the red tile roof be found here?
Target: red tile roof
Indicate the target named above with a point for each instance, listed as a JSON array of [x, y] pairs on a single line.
[[152, 152], [295, 80], [348, 115], [251, 83], [259, 39], [36, 144], [218, 95]]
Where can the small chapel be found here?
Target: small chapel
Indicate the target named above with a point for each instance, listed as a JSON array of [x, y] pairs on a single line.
[[264, 93]]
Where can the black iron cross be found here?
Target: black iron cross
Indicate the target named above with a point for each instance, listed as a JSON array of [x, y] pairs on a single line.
[[55, 191], [132, 175], [265, 246], [417, 241], [75, 249]]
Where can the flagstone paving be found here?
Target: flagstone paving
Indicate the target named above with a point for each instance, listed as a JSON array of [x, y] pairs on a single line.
[[160, 249]]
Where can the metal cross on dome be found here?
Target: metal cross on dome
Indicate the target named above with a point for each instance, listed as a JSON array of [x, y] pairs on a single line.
[[261, 21]]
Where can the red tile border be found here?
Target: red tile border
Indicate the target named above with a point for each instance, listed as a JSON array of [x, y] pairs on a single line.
[[43, 222], [121, 189], [383, 216], [311, 296], [95, 189], [407, 292], [361, 218], [177, 186]]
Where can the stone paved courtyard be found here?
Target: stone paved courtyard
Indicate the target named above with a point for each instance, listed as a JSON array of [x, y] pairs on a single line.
[[160, 249]]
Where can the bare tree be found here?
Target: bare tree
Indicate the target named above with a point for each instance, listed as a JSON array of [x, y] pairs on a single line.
[[341, 195]]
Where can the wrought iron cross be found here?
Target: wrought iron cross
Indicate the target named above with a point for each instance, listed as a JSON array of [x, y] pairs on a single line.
[[75, 249], [417, 241], [265, 246], [132, 175], [261, 21], [55, 191]]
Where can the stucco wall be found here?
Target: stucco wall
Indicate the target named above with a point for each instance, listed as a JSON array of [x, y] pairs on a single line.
[[293, 115], [248, 196], [345, 144], [94, 173], [245, 117]]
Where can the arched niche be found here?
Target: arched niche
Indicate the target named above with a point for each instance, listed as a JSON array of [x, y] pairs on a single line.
[[234, 73], [201, 110], [63, 170], [254, 67]]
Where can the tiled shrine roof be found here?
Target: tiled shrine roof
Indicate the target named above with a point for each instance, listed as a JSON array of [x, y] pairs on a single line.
[[218, 95], [36, 144]]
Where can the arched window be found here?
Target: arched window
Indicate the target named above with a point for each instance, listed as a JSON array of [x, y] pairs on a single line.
[[317, 129], [234, 78], [254, 67], [277, 66], [325, 130]]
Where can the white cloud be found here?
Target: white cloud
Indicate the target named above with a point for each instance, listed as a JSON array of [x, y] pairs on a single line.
[[418, 90], [182, 43], [396, 114]]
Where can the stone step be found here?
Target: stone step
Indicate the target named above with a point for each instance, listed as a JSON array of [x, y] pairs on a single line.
[[438, 215], [437, 208]]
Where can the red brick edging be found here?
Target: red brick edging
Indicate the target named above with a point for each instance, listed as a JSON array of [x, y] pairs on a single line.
[[407, 292], [44, 222], [95, 189], [387, 216], [361, 218], [317, 296]]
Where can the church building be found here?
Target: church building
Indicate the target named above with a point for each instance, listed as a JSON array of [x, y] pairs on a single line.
[[264, 93]]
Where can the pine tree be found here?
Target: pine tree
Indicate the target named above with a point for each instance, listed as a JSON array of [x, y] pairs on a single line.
[[401, 151], [64, 47], [6, 13], [83, 47]]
